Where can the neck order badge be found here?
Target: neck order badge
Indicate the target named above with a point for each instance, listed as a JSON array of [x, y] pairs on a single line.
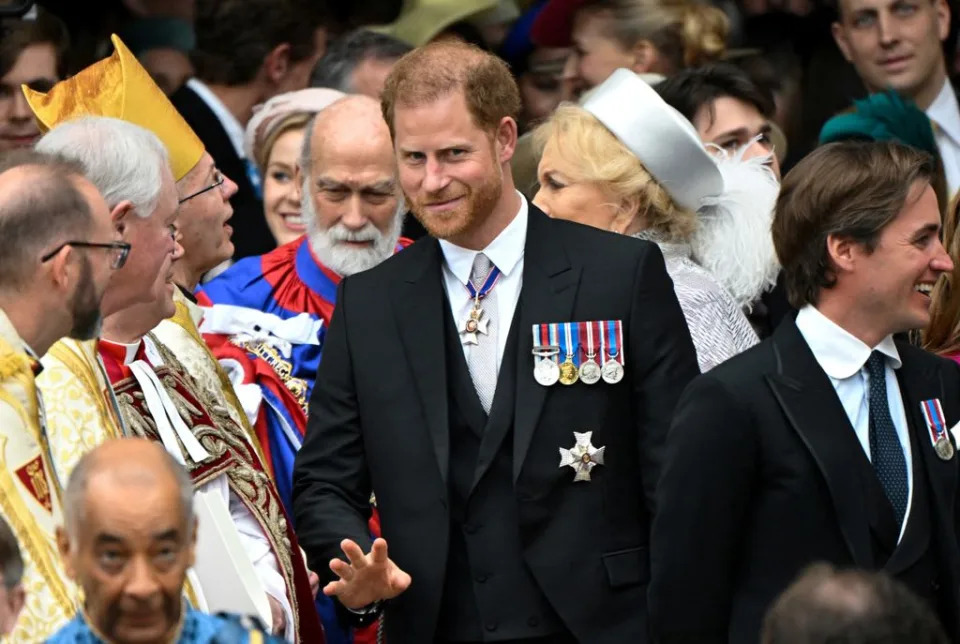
[[476, 321]]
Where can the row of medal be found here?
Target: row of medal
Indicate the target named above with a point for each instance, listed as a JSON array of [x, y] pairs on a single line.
[[571, 352]]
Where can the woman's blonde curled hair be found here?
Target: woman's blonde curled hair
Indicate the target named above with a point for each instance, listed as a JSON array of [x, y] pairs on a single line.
[[600, 158], [686, 33]]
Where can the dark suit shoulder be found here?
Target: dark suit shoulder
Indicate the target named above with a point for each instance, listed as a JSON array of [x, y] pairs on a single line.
[[745, 371], [916, 356], [592, 244]]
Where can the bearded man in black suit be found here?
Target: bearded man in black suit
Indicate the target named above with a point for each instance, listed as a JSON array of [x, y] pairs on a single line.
[[504, 386]]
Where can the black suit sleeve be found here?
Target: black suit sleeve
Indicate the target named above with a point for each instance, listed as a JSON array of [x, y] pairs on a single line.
[[703, 501], [331, 485], [663, 362]]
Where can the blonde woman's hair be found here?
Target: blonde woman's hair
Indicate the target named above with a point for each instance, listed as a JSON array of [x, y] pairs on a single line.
[[600, 158], [942, 336], [295, 121], [686, 33]]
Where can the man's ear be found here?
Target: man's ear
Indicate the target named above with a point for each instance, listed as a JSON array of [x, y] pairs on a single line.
[[506, 138], [277, 63], [943, 18], [298, 175], [66, 556], [60, 268], [121, 217], [843, 253]]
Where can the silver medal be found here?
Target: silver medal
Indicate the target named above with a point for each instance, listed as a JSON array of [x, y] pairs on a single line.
[[612, 372], [546, 371], [590, 372]]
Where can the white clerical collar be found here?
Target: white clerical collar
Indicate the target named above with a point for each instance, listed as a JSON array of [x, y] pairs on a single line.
[[231, 125], [839, 353], [129, 350], [945, 112], [505, 251]]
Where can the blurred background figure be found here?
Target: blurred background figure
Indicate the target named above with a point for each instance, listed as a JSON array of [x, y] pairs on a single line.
[[899, 45], [942, 336], [128, 538], [11, 572], [358, 62], [655, 37], [849, 607], [31, 53], [247, 51], [162, 45], [538, 70], [273, 139]]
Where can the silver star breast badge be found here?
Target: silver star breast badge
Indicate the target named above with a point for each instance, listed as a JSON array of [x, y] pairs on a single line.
[[582, 457]]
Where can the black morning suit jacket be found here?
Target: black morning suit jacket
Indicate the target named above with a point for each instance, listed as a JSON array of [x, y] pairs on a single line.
[[764, 476], [251, 236], [379, 419]]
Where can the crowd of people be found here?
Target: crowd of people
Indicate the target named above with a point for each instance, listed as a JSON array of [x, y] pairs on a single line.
[[481, 321]]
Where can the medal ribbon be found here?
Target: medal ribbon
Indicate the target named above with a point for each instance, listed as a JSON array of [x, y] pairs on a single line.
[[612, 341], [933, 414], [571, 333], [488, 285], [587, 333]]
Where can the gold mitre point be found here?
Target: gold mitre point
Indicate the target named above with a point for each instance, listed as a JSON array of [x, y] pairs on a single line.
[[120, 87]]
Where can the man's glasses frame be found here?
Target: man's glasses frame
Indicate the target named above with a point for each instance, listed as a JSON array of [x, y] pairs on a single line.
[[218, 180], [122, 248]]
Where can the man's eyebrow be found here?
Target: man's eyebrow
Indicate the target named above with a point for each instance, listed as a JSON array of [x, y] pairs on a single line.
[[166, 535], [385, 185], [107, 539]]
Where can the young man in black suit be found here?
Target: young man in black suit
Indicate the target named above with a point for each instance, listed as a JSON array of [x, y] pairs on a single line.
[[829, 441], [516, 498]]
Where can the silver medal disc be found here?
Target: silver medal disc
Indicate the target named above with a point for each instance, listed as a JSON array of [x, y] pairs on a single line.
[[546, 371], [944, 448], [612, 372], [590, 372]]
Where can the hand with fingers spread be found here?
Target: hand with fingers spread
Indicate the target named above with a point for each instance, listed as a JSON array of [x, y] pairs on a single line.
[[367, 578]]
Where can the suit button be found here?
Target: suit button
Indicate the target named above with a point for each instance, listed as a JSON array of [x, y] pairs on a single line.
[[533, 622], [491, 626], [481, 578]]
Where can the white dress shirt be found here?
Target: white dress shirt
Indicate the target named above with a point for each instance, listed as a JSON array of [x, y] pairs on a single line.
[[944, 112], [231, 125], [843, 357], [506, 253]]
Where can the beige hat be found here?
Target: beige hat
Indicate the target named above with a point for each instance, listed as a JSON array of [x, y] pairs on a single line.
[[421, 20]]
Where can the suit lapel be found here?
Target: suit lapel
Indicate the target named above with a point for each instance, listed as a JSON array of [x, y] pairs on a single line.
[[919, 382], [548, 294], [418, 302], [810, 403]]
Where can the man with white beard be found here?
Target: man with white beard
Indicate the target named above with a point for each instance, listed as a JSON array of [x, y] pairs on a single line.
[[267, 315]]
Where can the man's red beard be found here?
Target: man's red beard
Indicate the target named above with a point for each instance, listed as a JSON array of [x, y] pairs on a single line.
[[473, 209]]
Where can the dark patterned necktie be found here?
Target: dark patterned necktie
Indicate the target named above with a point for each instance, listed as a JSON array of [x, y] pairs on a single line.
[[886, 452]]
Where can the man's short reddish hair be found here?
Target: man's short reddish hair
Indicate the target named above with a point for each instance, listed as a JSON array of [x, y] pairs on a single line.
[[434, 71]]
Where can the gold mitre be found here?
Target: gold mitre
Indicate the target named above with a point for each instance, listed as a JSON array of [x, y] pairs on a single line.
[[120, 87]]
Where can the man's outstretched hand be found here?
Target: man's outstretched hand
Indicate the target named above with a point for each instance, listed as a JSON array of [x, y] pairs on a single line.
[[367, 578]]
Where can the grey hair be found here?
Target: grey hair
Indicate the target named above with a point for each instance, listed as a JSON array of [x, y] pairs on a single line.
[[335, 69], [74, 496], [124, 161]]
